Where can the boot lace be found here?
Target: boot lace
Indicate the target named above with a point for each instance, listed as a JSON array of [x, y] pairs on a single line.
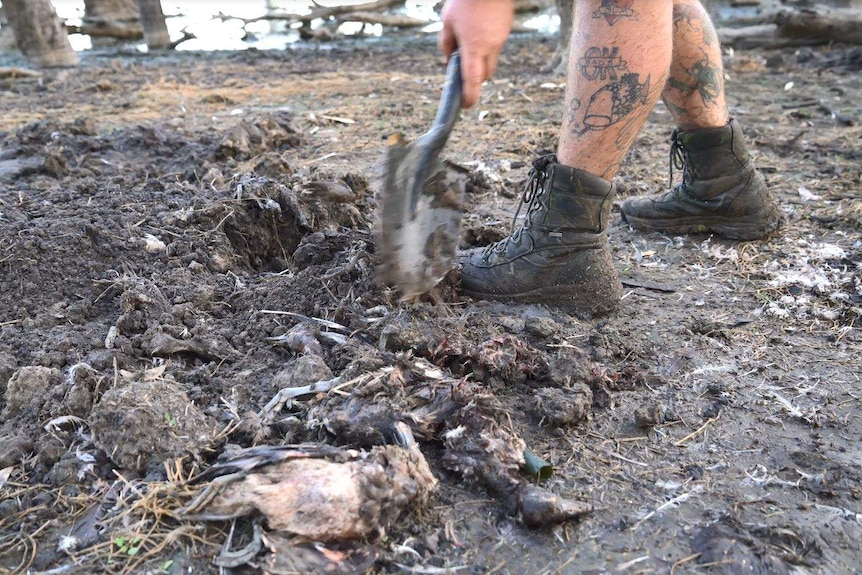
[[677, 155], [532, 196]]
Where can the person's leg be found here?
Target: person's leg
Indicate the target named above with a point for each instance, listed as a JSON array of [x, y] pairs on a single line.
[[721, 190], [694, 93], [618, 66]]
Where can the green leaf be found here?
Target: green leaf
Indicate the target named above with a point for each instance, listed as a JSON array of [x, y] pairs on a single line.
[[537, 467]]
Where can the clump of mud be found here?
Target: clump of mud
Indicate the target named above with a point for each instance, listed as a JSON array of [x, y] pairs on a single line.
[[193, 295]]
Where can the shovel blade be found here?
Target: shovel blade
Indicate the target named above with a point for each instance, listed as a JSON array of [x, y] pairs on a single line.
[[418, 243], [422, 201]]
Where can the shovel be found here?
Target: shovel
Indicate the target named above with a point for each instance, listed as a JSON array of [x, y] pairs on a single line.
[[422, 201]]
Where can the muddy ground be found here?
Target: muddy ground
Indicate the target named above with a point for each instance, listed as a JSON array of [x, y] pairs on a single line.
[[174, 229]]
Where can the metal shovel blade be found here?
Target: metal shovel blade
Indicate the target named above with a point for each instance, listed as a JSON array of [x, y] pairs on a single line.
[[422, 201]]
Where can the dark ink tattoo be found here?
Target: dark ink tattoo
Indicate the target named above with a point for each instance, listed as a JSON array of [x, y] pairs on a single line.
[[601, 63], [703, 77], [693, 16], [674, 109], [683, 13], [612, 103], [572, 114], [615, 10]]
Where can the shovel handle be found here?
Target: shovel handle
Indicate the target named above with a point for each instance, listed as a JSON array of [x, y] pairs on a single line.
[[450, 105], [431, 142]]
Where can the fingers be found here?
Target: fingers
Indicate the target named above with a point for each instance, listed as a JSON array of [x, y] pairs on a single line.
[[490, 65], [474, 71], [446, 42]]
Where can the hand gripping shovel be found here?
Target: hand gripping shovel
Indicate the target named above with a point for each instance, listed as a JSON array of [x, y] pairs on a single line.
[[422, 201]]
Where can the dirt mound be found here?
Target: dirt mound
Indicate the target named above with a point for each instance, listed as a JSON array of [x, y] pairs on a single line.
[[190, 293]]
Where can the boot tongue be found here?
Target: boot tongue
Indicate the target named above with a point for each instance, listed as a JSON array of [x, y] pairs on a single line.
[[541, 163]]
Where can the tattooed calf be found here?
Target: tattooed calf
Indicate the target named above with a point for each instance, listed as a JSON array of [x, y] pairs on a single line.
[[615, 10], [613, 102], [705, 79], [693, 16], [601, 63]]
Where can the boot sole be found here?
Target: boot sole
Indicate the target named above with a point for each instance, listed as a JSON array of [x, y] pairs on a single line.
[[749, 228], [598, 299]]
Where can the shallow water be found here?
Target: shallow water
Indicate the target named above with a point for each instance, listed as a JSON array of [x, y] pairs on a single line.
[[211, 33]]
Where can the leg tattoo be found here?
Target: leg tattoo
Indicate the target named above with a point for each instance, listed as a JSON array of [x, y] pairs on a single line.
[[612, 103], [616, 10]]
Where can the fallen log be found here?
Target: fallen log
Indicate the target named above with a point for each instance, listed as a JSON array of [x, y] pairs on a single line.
[[758, 36], [13, 72], [321, 13], [842, 25], [791, 28], [131, 30], [390, 20]]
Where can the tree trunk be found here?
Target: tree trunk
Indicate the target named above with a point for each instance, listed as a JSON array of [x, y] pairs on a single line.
[[7, 40], [155, 29], [108, 20], [39, 34], [560, 60], [100, 10]]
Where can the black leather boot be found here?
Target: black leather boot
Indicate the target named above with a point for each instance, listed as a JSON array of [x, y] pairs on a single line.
[[560, 255], [721, 190]]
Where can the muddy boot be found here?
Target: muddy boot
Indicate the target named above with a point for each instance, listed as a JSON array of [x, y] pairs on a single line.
[[721, 190], [560, 255]]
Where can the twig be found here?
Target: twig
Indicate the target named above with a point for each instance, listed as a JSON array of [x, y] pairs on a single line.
[[675, 502], [13, 72], [299, 316], [430, 570], [323, 13], [626, 459], [683, 561], [632, 563], [696, 432]]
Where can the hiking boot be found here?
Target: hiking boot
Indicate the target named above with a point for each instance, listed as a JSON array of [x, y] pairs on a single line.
[[721, 190], [560, 255]]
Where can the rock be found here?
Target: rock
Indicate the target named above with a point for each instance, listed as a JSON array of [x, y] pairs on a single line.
[[304, 370], [540, 507], [79, 395], [561, 406], [8, 365], [30, 387], [649, 415], [141, 424], [542, 327], [512, 324], [13, 449]]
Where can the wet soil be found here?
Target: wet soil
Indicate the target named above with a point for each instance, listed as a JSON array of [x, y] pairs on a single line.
[[182, 236]]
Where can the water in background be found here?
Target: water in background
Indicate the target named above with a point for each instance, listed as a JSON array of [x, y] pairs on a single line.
[[211, 33]]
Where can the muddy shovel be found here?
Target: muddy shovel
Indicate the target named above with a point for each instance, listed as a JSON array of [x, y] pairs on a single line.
[[422, 201]]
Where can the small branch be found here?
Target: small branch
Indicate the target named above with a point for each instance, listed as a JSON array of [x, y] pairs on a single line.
[[696, 432], [324, 13], [391, 20], [186, 36], [18, 73], [109, 29]]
